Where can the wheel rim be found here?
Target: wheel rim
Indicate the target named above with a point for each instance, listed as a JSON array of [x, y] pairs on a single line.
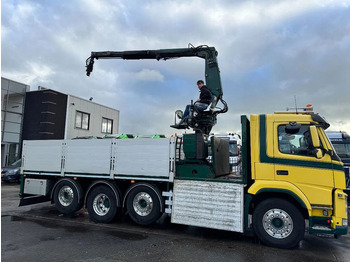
[[143, 204], [66, 196], [101, 204], [277, 223]]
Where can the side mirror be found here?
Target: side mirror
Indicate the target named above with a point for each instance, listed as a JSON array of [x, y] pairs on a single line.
[[318, 153], [314, 137]]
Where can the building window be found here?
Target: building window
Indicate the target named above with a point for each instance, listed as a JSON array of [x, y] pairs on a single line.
[[82, 120], [107, 125]]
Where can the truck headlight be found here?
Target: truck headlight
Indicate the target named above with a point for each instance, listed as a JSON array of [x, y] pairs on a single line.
[[345, 222], [13, 171]]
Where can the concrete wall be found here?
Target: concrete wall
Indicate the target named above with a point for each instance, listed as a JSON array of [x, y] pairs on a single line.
[[96, 113]]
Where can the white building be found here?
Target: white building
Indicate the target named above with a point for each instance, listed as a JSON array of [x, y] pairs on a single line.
[[86, 118]]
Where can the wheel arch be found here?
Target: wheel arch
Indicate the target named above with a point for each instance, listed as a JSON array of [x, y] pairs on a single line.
[[153, 187], [111, 185], [266, 193], [74, 183]]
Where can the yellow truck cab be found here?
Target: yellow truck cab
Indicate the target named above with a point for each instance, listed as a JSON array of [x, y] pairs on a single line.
[[294, 172]]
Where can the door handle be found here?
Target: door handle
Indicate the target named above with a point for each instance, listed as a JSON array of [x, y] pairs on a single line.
[[282, 172]]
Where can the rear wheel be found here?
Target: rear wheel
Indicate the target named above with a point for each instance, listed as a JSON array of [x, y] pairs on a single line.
[[278, 223], [68, 196], [102, 204], [143, 204]]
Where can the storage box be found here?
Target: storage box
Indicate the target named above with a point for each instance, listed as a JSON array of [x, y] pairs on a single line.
[[37, 186]]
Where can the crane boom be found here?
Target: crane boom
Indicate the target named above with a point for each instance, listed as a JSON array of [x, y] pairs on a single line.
[[209, 54], [212, 72]]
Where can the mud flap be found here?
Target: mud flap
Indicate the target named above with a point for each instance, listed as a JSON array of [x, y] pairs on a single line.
[[29, 200]]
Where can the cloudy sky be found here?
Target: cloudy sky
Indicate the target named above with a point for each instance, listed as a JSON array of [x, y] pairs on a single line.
[[269, 53]]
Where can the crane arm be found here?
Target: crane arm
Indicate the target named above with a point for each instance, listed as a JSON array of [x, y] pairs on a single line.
[[203, 122], [209, 54]]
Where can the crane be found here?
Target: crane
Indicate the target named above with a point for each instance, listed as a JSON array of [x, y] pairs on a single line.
[[198, 121]]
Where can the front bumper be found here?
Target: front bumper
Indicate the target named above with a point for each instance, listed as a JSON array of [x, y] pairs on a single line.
[[7, 178], [317, 226], [343, 230]]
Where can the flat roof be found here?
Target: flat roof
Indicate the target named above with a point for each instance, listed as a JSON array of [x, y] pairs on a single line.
[[48, 89]]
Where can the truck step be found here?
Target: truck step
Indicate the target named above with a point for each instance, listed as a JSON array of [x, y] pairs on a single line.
[[168, 201], [321, 228]]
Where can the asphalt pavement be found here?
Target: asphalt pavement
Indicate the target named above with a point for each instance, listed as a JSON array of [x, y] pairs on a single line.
[[40, 233]]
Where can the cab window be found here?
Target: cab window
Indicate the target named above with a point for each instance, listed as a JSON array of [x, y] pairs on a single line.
[[298, 143]]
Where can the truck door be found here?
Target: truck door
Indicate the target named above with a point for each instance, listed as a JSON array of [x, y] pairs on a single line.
[[296, 162]]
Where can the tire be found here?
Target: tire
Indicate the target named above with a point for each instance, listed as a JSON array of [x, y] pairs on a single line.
[[143, 204], [102, 204], [68, 196], [278, 223]]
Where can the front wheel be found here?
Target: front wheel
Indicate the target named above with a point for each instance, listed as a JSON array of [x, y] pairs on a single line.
[[102, 204], [278, 223]]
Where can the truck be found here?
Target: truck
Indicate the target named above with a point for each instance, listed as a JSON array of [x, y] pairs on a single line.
[[341, 144], [290, 172]]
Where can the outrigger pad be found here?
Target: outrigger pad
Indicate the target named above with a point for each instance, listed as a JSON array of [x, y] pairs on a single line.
[[221, 156]]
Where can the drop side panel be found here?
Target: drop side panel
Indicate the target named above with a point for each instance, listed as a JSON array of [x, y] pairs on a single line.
[[42, 155], [142, 157], [88, 156]]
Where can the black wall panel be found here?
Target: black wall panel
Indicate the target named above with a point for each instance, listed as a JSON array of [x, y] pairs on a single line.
[[44, 115]]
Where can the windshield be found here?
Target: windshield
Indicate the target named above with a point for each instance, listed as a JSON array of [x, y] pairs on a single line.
[[233, 148], [343, 150]]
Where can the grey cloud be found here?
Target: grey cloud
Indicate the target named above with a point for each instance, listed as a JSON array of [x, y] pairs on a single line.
[[268, 52]]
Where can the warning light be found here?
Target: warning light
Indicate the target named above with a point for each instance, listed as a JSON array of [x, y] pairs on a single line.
[[132, 181], [308, 108]]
